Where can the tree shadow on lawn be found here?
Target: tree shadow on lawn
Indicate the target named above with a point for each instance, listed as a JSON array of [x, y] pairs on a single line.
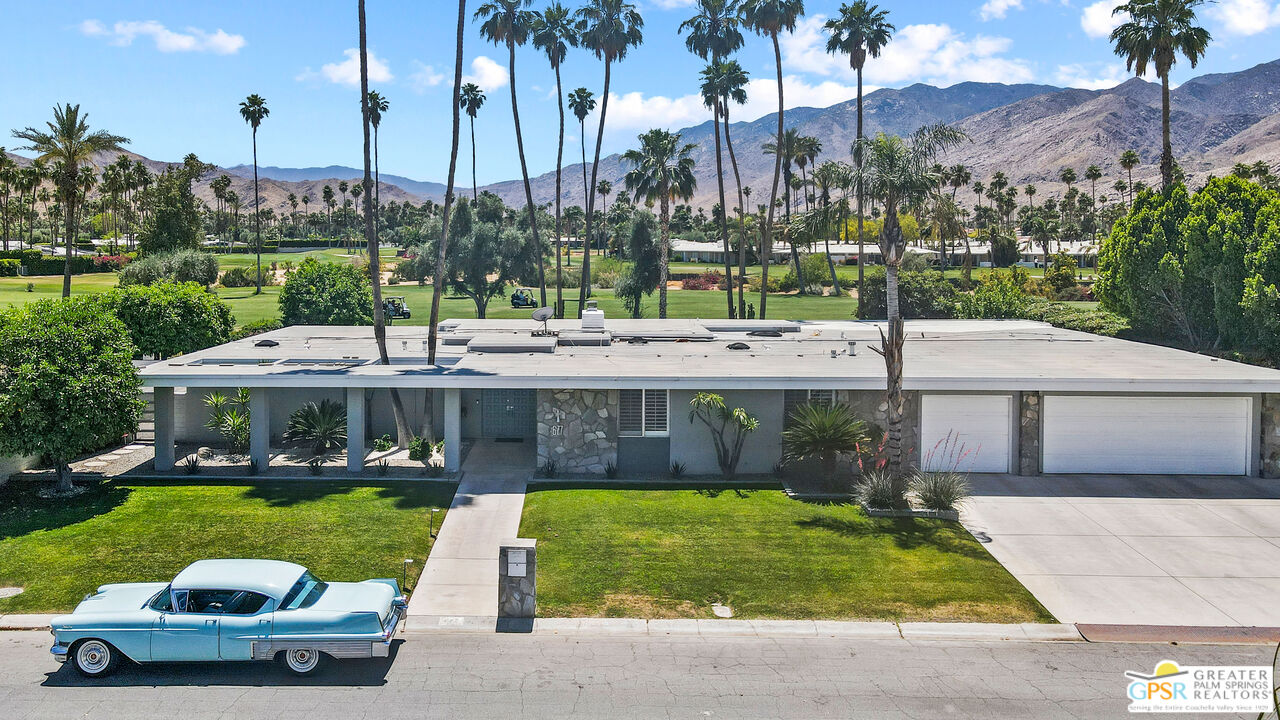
[[406, 495], [906, 533], [23, 511]]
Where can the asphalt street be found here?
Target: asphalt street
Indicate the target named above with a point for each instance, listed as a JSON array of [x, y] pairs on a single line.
[[547, 676]]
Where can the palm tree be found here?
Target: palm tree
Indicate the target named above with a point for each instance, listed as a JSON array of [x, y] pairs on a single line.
[[437, 277], [1156, 32], [769, 18], [1129, 160], [368, 108], [293, 209], [825, 432], [959, 176], [827, 178], [610, 29], [555, 30], [789, 152], [377, 106], [326, 194], [714, 34], [661, 171], [603, 189], [1093, 174], [861, 31], [807, 150], [472, 99], [69, 141], [254, 109], [1030, 190], [727, 81], [506, 22], [306, 208], [581, 102], [1043, 231], [899, 174], [7, 170]]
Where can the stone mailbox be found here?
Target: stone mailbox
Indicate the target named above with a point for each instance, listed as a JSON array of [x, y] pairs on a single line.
[[517, 578]]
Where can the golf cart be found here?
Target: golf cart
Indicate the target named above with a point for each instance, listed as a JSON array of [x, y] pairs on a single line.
[[523, 298], [395, 308]]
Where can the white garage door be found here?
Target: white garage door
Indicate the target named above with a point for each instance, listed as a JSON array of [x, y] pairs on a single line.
[[1147, 435], [979, 427]]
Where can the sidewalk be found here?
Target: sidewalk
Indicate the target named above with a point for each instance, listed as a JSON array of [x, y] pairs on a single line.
[[460, 580]]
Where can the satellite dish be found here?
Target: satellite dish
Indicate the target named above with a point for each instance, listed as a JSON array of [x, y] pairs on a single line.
[[542, 315]]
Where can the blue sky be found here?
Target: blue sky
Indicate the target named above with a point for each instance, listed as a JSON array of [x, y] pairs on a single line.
[[169, 75]]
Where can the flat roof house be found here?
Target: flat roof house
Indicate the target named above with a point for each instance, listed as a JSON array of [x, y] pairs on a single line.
[[1020, 396]]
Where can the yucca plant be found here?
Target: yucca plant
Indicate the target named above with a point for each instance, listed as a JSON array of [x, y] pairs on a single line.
[[323, 426], [229, 417], [825, 432]]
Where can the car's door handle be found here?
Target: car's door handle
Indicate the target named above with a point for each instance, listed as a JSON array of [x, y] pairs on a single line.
[[213, 623]]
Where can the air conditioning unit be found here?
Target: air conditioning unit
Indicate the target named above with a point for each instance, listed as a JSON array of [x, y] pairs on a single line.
[[592, 318]]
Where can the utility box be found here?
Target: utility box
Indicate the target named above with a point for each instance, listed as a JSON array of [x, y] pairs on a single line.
[[517, 578]]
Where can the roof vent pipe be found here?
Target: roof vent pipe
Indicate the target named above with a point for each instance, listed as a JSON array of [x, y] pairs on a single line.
[[853, 348], [592, 318]]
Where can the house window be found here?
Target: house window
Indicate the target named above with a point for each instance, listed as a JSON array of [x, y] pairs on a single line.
[[791, 399], [642, 413]]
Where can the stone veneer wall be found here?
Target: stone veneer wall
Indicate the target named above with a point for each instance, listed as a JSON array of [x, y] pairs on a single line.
[[1270, 446], [1030, 410], [870, 405], [578, 429]]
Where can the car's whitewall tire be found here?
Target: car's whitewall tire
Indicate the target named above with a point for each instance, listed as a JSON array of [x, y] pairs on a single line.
[[302, 661], [95, 658]]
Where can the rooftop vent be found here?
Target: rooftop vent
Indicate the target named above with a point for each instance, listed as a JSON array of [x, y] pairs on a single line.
[[266, 342], [592, 318]]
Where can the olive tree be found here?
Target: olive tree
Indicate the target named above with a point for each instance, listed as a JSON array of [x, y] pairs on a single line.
[[67, 382], [317, 293]]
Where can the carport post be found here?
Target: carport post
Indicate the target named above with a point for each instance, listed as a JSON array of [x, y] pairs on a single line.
[[162, 418], [259, 428], [452, 429], [355, 429]]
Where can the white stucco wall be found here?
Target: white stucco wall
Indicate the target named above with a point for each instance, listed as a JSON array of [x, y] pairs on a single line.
[[691, 443]]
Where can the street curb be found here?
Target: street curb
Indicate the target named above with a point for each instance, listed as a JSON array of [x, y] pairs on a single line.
[[1180, 634], [636, 627], [26, 622]]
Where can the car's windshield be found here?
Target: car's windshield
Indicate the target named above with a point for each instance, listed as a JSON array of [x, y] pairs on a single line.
[[304, 593], [162, 602]]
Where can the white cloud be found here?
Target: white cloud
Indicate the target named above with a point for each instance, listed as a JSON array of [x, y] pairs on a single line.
[[192, 39], [1246, 17], [1098, 20], [672, 4], [486, 73], [933, 53], [1078, 75], [994, 9], [347, 72], [634, 111], [423, 77]]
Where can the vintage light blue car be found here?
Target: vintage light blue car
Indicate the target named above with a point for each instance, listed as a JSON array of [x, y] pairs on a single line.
[[231, 610]]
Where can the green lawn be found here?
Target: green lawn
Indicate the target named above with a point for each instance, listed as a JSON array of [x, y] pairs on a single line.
[[59, 550], [671, 553]]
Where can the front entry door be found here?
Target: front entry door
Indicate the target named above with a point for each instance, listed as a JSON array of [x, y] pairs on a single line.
[[509, 413], [185, 636]]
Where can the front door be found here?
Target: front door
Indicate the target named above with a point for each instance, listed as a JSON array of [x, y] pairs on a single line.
[[185, 636], [509, 413]]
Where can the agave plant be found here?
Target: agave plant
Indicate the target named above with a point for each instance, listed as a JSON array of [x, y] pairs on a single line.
[[323, 426], [825, 432]]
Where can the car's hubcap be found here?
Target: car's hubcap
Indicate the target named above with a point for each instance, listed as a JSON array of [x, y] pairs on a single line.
[[93, 656], [302, 659]]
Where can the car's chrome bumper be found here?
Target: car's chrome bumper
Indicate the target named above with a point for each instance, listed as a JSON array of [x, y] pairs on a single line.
[[60, 651], [343, 648]]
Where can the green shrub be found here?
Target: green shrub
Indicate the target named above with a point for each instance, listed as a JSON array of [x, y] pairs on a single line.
[[1004, 248], [882, 490], [10, 268], [939, 490], [1096, 321], [323, 426], [179, 266], [317, 293], [256, 328], [167, 319], [245, 277], [1061, 273], [921, 294], [999, 295], [229, 417]]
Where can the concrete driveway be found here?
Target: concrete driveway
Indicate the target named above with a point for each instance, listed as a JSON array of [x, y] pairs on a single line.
[[1152, 550]]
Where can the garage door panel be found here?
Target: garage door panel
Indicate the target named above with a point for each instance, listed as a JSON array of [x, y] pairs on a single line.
[[1146, 435], [980, 428]]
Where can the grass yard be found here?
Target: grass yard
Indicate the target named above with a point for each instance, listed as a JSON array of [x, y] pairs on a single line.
[[59, 550], [671, 553]]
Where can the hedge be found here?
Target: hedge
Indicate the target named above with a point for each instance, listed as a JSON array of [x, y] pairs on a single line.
[[9, 268], [80, 265]]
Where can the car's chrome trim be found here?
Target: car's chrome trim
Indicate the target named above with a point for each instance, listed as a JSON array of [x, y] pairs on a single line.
[[344, 648], [60, 651]]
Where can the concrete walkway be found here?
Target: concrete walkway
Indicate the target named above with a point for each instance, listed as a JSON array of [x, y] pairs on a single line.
[[1150, 550], [460, 581]]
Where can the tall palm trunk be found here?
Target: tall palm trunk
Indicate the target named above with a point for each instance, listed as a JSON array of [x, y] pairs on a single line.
[[766, 237], [664, 250], [1166, 148], [835, 281], [69, 197], [857, 160], [742, 219], [891, 343], [795, 252], [586, 201], [524, 173], [437, 278], [257, 214], [591, 200], [475, 189], [559, 170], [724, 213], [403, 430], [377, 189]]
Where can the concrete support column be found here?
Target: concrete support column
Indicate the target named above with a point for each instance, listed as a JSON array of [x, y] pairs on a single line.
[[355, 429], [452, 429], [259, 428], [163, 417]]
